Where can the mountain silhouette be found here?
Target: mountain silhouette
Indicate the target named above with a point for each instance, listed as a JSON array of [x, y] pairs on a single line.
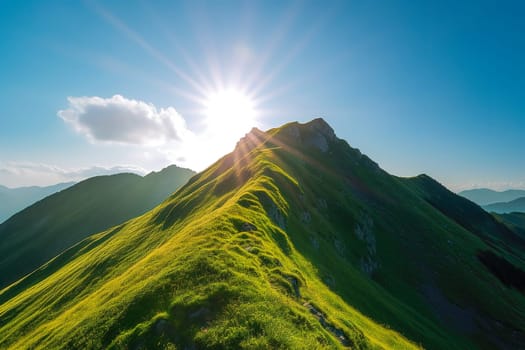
[[43, 230]]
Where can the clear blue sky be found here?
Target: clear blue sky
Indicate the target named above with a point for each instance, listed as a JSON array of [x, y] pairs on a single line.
[[420, 86]]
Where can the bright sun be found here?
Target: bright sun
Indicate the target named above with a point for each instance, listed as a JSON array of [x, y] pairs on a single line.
[[230, 112]]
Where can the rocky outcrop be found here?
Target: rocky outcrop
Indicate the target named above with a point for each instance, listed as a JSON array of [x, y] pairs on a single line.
[[316, 133], [364, 232], [337, 332], [320, 134]]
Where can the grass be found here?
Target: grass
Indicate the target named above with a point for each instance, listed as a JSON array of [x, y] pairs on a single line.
[[515, 221]]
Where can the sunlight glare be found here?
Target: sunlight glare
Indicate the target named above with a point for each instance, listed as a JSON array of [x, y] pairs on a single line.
[[230, 113]]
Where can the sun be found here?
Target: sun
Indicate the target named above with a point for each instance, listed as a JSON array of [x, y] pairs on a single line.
[[230, 113]]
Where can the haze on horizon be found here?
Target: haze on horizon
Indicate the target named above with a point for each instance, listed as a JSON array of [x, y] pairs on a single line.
[[91, 88]]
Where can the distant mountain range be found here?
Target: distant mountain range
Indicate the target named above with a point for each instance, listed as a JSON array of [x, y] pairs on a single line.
[[12, 200], [516, 205], [484, 196], [43, 230], [498, 202], [295, 240]]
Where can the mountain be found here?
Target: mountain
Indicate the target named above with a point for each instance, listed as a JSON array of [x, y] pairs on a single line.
[[294, 240], [515, 221], [12, 200], [484, 196], [516, 205], [45, 229]]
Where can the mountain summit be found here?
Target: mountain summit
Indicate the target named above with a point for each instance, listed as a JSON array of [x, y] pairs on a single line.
[[316, 133], [294, 240]]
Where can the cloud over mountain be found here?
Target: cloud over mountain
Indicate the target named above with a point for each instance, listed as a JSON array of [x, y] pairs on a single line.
[[15, 174], [122, 120]]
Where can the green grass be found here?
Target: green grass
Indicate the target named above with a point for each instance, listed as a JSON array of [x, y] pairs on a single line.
[[265, 250]]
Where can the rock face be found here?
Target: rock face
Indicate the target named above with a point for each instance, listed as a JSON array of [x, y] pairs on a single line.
[[322, 128], [251, 140], [246, 226], [322, 318], [320, 134], [317, 134], [293, 132], [364, 232], [276, 215]]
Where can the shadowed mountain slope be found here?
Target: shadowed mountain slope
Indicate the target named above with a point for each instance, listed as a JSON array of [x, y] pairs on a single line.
[[41, 231], [294, 240], [515, 221], [467, 214]]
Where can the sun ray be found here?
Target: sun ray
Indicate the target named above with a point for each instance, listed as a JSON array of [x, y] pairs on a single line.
[[118, 24], [299, 47]]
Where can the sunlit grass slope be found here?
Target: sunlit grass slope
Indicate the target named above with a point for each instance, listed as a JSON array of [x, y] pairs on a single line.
[[209, 268], [294, 240], [53, 224]]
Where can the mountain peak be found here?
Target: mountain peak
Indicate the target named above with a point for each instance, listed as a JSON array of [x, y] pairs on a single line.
[[321, 126], [250, 140], [316, 133]]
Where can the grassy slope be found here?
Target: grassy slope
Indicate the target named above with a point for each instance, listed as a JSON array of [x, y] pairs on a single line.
[[41, 231], [471, 217], [515, 221], [189, 272], [261, 250], [434, 288]]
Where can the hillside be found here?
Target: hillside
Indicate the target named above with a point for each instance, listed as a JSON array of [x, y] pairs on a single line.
[[43, 230], [12, 200], [294, 240], [468, 215], [484, 196], [516, 205], [515, 221]]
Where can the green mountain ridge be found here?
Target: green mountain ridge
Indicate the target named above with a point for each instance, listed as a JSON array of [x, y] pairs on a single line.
[[53, 224], [294, 240], [12, 200]]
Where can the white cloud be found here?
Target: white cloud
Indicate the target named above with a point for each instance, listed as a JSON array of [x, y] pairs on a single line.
[[121, 120], [493, 185], [17, 174], [151, 137]]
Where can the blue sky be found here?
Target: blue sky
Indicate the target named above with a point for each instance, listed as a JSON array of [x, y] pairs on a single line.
[[420, 86]]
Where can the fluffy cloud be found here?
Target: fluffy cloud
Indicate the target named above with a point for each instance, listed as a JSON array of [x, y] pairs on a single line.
[[122, 120], [16, 174]]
